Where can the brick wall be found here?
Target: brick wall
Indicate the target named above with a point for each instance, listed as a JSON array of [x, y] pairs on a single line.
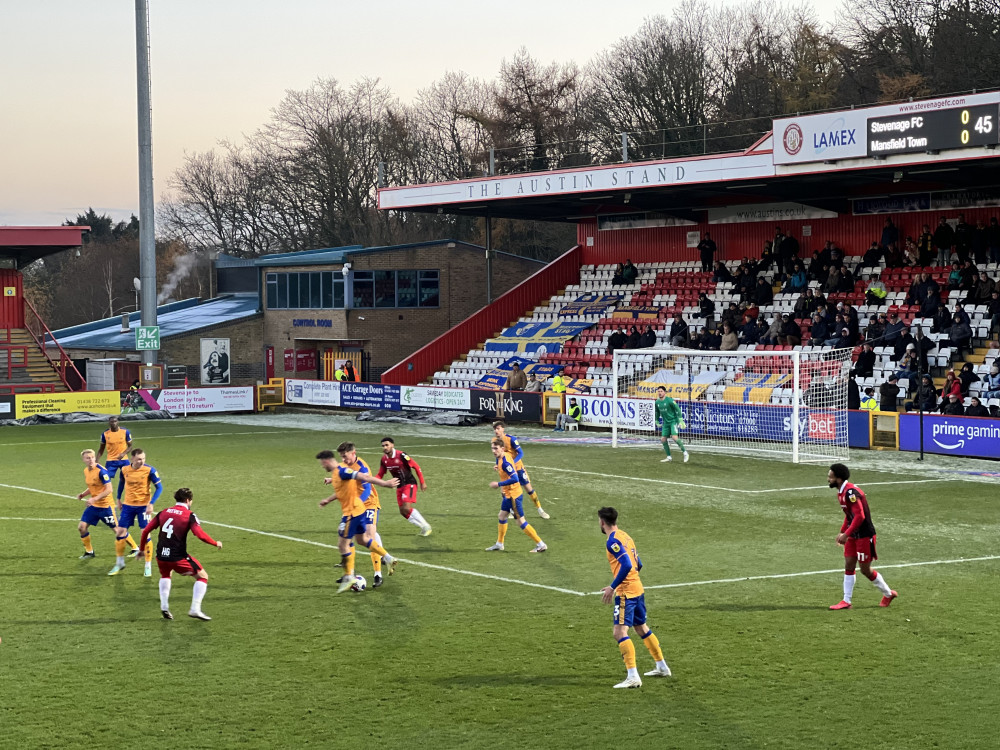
[[246, 350], [390, 334]]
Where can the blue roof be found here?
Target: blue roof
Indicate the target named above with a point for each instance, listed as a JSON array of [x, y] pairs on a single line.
[[174, 319]]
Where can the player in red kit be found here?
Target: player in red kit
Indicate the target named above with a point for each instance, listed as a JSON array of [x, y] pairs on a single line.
[[857, 535], [171, 551], [403, 468]]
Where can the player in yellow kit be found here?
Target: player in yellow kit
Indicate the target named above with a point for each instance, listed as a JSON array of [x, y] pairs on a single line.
[[369, 496], [354, 525], [141, 486], [629, 599], [117, 442], [98, 499], [511, 498], [513, 446]]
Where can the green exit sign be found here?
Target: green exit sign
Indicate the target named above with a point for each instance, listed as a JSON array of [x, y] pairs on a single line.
[[147, 337]]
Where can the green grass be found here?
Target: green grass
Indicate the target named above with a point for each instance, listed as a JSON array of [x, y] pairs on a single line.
[[440, 659]]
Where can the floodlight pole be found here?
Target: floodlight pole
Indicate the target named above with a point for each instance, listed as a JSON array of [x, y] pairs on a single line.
[[147, 235]]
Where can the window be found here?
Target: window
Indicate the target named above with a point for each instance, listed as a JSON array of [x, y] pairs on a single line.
[[326, 287], [271, 280], [406, 288], [293, 291], [385, 288], [429, 290], [364, 289], [315, 301]]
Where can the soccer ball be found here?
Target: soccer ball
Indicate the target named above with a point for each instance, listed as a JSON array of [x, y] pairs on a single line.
[[360, 584]]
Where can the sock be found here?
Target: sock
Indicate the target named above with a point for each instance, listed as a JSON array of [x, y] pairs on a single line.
[[881, 585], [501, 531], [530, 531], [848, 587], [164, 593], [680, 445], [377, 563], [653, 644], [149, 551], [377, 548], [120, 548], [88, 545], [534, 498], [200, 587], [348, 561], [415, 518], [406, 512], [666, 448], [131, 542], [628, 653]]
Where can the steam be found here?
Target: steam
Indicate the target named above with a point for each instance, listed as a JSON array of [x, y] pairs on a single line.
[[183, 265]]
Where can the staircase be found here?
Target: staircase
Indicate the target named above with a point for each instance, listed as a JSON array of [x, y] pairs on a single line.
[[24, 367]]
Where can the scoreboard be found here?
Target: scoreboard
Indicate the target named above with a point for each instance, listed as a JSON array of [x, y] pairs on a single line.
[[934, 130]]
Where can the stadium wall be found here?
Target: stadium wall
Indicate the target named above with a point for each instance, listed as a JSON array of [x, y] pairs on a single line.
[[665, 244], [487, 321]]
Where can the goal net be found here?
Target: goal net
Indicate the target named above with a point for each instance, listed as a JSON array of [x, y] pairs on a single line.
[[780, 403]]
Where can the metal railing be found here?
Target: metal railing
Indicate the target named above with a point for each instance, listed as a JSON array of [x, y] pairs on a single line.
[[64, 366]]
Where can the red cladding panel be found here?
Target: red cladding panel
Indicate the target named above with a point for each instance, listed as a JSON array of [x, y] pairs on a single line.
[[11, 305]]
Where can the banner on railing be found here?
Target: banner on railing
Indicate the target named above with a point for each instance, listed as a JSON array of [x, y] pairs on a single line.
[[369, 396], [97, 402], [222, 399], [590, 304], [637, 312], [425, 397], [538, 337], [633, 413], [951, 436], [514, 406], [312, 392]]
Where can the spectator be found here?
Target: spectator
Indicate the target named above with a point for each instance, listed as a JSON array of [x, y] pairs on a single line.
[[844, 340], [706, 306], [702, 340], [762, 326], [951, 385], [618, 279], [904, 342], [617, 340], [960, 312], [851, 313], [339, 373], [926, 395], [707, 249], [942, 320], [981, 291], [925, 246], [876, 293], [894, 257], [516, 381], [963, 239], [730, 342], [787, 250], [930, 304], [713, 340], [732, 315], [952, 406], [993, 308], [890, 234], [944, 240], [969, 272], [349, 373], [749, 333], [572, 416], [888, 393], [967, 376], [960, 335], [915, 294], [865, 364], [763, 293], [924, 346], [832, 283], [768, 256], [750, 312], [872, 257], [911, 253], [805, 305], [721, 273], [629, 272], [648, 338], [993, 240], [534, 385], [819, 332], [955, 277], [907, 366], [790, 333], [976, 409], [991, 383], [798, 281], [868, 402], [853, 394], [748, 282], [771, 336], [876, 328], [633, 338], [980, 251], [560, 381], [680, 333]]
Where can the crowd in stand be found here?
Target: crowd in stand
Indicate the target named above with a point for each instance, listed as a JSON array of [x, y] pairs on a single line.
[[837, 325]]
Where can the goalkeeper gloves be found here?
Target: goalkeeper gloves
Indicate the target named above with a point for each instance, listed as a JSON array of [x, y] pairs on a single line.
[[681, 425]]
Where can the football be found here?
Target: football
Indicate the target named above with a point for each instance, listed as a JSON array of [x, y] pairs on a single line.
[[360, 584]]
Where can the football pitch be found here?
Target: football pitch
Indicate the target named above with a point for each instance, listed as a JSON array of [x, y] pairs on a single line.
[[463, 648]]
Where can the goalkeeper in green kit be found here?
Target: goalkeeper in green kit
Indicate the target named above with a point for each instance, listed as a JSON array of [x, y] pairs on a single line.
[[670, 416]]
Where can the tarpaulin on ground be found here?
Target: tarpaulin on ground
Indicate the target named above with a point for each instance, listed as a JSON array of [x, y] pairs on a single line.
[[590, 304], [637, 312], [536, 337]]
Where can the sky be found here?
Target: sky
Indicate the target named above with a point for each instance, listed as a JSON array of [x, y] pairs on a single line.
[[68, 127]]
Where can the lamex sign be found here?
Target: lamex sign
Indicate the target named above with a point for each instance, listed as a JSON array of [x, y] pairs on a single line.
[[843, 135], [312, 392], [955, 436], [420, 397], [369, 396], [630, 413]]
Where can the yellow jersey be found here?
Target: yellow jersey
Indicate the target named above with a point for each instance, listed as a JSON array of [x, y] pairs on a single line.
[[347, 490], [512, 446], [506, 470], [620, 546], [97, 480], [139, 484], [369, 495], [116, 443]]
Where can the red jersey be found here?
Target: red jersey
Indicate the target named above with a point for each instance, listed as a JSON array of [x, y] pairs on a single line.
[[857, 517], [400, 466], [174, 524]]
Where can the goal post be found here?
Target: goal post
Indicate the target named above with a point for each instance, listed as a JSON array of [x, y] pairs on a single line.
[[790, 403]]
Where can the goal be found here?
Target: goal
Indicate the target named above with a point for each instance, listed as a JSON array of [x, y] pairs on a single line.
[[789, 403]]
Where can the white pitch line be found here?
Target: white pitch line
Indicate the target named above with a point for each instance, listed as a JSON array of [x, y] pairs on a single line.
[[150, 437], [681, 484]]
